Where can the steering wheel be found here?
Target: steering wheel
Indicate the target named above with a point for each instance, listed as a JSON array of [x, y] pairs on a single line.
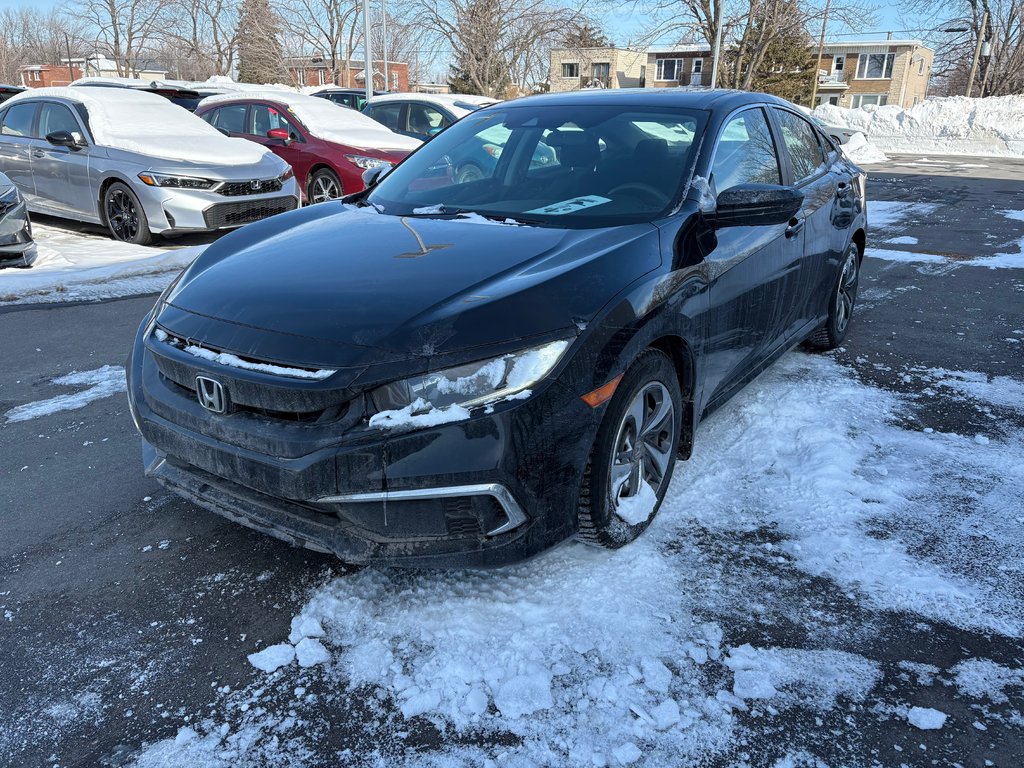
[[653, 194]]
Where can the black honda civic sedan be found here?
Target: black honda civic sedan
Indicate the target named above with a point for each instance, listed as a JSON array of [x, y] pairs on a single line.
[[436, 373]]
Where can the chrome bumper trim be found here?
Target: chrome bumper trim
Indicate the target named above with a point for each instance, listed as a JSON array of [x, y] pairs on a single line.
[[514, 513]]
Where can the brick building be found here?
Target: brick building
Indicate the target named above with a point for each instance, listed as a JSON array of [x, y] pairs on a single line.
[[316, 70], [45, 75]]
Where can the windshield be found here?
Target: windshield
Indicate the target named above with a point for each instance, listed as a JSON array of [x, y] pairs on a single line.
[[571, 166]]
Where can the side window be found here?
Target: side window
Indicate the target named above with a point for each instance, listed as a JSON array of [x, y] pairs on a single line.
[[230, 118], [17, 120], [424, 120], [57, 117], [263, 118], [745, 153], [802, 142], [386, 114]]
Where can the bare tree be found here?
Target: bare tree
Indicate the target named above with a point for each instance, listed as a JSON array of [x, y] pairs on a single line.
[[330, 28], [497, 43], [203, 35], [124, 29]]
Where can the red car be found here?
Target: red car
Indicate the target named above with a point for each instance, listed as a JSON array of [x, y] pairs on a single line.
[[328, 148]]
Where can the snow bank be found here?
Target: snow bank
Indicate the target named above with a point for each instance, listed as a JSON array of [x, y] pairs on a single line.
[[862, 152], [136, 121], [954, 125], [330, 122], [73, 266]]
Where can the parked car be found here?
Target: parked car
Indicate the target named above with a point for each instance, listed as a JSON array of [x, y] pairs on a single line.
[[353, 98], [422, 115], [182, 96], [329, 148], [6, 91], [17, 248], [838, 135], [136, 164], [463, 374]]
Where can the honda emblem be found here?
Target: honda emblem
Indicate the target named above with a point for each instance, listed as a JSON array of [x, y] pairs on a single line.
[[255, 184], [211, 394]]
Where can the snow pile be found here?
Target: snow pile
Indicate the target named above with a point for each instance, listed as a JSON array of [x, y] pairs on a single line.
[[303, 646], [954, 125], [102, 382], [792, 676], [862, 152], [136, 121], [71, 266], [329, 122], [926, 719], [980, 678]]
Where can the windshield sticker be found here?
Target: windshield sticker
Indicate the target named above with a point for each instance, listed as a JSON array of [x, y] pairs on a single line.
[[572, 205]]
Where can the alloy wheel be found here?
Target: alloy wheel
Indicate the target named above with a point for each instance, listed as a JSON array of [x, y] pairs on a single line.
[[642, 452], [846, 293], [122, 216], [324, 188]]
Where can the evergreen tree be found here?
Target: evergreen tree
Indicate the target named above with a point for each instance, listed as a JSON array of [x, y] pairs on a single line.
[[260, 59], [585, 35]]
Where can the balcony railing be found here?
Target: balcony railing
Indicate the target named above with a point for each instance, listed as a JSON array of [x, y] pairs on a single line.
[[836, 78]]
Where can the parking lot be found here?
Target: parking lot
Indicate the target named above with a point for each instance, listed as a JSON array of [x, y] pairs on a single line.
[[843, 546]]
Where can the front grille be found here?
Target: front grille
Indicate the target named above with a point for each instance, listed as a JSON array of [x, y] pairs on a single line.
[[251, 187], [224, 215]]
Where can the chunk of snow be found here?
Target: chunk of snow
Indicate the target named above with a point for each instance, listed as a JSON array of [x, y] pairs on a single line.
[[417, 415], [926, 719], [524, 694], [272, 657], [657, 677], [420, 704], [637, 508], [305, 626], [627, 754], [665, 715], [310, 652], [902, 240], [858, 149]]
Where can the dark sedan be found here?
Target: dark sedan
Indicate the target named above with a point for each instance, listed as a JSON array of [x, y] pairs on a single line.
[[17, 248], [463, 373]]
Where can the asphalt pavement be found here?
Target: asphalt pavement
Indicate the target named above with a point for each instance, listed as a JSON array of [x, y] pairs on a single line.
[[124, 610]]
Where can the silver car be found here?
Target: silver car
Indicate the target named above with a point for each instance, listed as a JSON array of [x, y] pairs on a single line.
[[136, 163], [17, 249]]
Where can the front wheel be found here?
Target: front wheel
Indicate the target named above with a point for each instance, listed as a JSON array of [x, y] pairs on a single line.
[[323, 186], [124, 215], [631, 463], [841, 302]]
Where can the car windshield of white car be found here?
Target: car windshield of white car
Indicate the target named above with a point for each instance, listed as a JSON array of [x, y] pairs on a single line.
[[579, 166]]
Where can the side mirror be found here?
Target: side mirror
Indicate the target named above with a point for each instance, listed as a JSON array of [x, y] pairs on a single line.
[[281, 134], [756, 205], [65, 139], [372, 175]]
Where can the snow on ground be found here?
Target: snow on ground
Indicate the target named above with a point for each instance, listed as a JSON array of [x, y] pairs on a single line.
[[72, 266], [588, 657], [100, 383], [862, 152], [956, 125]]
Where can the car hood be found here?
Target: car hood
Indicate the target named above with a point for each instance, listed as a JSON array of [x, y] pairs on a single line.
[[334, 286]]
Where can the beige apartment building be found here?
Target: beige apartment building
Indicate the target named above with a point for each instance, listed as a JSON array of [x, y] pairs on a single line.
[[849, 74], [877, 72]]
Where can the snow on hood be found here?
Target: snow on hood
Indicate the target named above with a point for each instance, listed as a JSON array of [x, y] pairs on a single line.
[[954, 125], [136, 121], [328, 121]]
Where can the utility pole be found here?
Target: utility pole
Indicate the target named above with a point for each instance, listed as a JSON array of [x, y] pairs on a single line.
[[718, 43], [977, 53], [384, 35], [71, 72], [368, 51], [821, 50]]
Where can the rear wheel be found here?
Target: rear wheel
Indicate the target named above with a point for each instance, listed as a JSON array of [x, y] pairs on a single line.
[[323, 186], [631, 463], [840, 309], [124, 215]]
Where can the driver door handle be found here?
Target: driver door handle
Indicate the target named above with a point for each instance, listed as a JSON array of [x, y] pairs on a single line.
[[38, 153], [795, 225]]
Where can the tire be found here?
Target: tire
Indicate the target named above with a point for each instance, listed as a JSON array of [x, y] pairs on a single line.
[[124, 216], [323, 186], [841, 303], [609, 478], [468, 173]]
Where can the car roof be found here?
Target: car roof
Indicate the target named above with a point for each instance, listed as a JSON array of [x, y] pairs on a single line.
[[683, 98]]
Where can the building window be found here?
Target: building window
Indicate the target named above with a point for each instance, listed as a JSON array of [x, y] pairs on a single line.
[[863, 99], [570, 70], [875, 66], [669, 69], [838, 63], [600, 71], [321, 76], [698, 66]]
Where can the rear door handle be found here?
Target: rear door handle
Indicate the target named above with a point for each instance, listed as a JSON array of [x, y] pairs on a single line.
[[795, 225], [38, 153]]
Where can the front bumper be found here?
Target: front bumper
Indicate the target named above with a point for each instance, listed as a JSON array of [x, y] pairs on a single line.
[[194, 210], [17, 249], [492, 489]]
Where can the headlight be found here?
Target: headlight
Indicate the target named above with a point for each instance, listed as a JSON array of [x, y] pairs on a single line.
[[289, 174], [179, 182], [366, 163], [10, 197], [474, 384]]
